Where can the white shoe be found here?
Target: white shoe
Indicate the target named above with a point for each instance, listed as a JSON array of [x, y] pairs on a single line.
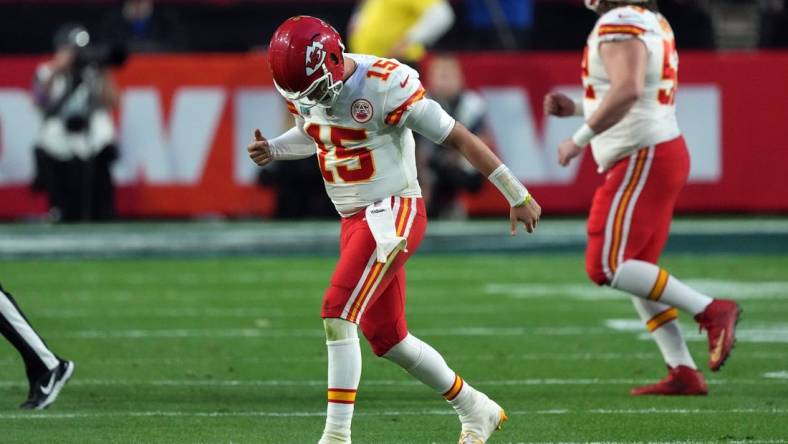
[[486, 417], [334, 438]]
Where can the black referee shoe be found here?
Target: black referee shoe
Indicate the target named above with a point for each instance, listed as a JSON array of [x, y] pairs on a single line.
[[44, 391]]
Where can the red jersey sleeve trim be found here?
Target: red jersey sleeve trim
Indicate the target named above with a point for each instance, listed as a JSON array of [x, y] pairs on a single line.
[[395, 116]]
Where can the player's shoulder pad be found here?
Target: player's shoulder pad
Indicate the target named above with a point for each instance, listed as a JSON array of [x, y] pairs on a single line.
[[626, 20], [403, 89]]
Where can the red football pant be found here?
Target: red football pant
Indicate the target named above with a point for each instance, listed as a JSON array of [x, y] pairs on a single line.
[[631, 212], [368, 292]]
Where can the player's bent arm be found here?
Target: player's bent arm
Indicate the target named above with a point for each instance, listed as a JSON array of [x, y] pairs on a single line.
[[484, 160], [293, 144], [625, 62], [429, 119]]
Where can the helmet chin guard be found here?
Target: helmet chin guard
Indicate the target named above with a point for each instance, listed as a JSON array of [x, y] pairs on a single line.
[[307, 62]]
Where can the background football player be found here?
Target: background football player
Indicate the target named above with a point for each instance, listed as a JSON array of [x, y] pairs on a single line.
[[356, 112], [630, 71]]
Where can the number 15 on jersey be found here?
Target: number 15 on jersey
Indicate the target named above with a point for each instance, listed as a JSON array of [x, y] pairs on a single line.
[[339, 163]]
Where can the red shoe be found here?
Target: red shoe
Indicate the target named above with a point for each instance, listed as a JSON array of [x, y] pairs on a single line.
[[719, 320], [681, 380]]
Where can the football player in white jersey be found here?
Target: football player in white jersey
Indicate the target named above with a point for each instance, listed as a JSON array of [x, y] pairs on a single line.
[[357, 113], [629, 73]]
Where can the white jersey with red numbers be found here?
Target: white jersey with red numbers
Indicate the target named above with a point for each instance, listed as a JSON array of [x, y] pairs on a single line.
[[364, 151], [653, 117]]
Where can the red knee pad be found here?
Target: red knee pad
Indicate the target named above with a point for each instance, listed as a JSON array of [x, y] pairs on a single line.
[[382, 337]]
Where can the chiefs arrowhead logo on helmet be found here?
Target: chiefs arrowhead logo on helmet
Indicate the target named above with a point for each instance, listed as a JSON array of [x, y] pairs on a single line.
[[315, 55], [306, 56]]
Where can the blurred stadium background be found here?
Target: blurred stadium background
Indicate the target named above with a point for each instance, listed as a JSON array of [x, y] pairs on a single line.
[[212, 262]]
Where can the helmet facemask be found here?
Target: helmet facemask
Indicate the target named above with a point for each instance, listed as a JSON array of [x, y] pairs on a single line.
[[323, 92]]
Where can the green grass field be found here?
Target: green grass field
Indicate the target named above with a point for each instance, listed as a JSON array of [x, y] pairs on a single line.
[[231, 350]]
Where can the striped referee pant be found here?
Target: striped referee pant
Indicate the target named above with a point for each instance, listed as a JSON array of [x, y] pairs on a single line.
[[17, 329]]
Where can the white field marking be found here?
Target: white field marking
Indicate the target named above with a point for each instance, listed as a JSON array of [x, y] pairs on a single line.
[[181, 312], [756, 333], [573, 357], [444, 412], [379, 382], [247, 312], [776, 375], [739, 290], [186, 333]]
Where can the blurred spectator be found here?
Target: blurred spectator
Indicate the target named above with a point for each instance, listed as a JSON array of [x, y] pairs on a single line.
[[561, 25], [76, 144], [300, 192], [141, 27], [500, 24], [691, 22], [774, 24], [448, 172], [399, 29]]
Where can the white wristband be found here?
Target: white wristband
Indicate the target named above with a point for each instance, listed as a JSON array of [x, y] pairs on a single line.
[[511, 188], [578, 108], [583, 135]]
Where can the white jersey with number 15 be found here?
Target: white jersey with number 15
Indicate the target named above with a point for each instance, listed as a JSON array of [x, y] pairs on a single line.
[[652, 119], [365, 149]]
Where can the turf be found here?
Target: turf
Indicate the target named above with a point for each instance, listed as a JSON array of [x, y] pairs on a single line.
[[230, 350]]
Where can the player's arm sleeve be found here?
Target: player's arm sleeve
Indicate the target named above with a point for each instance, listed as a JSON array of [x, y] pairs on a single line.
[[406, 105], [621, 24], [433, 23], [429, 119], [293, 144]]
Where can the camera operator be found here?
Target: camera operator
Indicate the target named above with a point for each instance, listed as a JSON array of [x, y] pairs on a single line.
[[76, 143]]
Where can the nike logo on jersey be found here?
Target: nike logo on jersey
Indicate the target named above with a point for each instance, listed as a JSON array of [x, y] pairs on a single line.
[[404, 82], [47, 389]]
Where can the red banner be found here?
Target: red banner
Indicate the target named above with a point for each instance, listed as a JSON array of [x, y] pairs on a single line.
[[183, 123], [752, 143]]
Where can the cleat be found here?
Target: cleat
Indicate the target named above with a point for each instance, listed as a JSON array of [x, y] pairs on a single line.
[[719, 319], [681, 380], [45, 389], [480, 424]]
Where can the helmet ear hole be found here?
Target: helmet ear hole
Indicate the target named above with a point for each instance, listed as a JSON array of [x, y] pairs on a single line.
[[334, 58]]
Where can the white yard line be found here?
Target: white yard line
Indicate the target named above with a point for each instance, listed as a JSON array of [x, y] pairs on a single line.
[[445, 412], [739, 290], [567, 330], [572, 357], [761, 332], [380, 382]]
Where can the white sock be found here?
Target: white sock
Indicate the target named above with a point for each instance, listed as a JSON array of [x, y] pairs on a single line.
[[423, 362], [650, 282], [344, 373], [662, 321], [429, 367]]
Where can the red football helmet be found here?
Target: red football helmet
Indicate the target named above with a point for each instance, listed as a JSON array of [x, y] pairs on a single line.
[[305, 55]]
